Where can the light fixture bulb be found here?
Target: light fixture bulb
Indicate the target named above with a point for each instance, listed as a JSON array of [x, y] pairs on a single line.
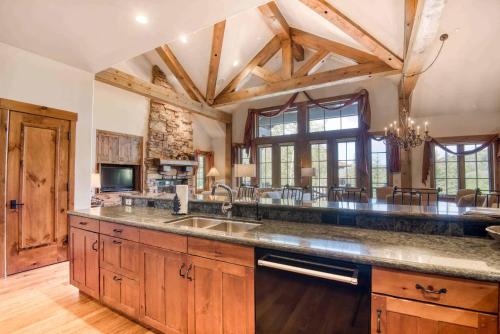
[[141, 19], [236, 63], [183, 39]]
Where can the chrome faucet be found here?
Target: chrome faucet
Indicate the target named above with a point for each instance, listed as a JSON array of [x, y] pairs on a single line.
[[226, 207]]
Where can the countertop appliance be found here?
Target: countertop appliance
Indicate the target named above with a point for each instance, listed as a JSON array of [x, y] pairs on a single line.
[[296, 293]]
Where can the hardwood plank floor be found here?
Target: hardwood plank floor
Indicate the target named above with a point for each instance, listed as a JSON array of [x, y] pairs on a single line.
[[43, 301]]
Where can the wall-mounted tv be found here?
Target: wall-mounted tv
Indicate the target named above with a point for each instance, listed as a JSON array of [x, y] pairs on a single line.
[[117, 178]]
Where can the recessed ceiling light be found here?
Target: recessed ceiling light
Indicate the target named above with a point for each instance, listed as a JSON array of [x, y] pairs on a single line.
[[236, 63], [183, 39], [141, 19]]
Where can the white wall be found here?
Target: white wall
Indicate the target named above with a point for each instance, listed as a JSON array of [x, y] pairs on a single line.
[[34, 79], [121, 111]]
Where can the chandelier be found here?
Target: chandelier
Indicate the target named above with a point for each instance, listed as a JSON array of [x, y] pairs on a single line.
[[406, 135]]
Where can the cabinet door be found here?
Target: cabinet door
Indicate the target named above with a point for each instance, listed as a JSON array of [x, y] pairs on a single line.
[[120, 256], [107, 148], [124, 149], [163, 288], [400, 316], [136, 151], [221, 297], [120, 292], [84, 261]]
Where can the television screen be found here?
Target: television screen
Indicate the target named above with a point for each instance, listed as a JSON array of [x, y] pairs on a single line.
[[117, 178]]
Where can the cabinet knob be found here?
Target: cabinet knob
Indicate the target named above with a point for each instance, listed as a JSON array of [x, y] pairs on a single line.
[[116, 242], [188, 271], [379, 314], [117, 230], [117, 279], [180, 271], [94, 246]]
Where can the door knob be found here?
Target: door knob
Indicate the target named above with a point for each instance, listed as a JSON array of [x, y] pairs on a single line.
[[14, 204]]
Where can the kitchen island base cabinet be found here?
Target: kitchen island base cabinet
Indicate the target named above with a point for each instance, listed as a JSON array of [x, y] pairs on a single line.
[[120, 293], [164, 289], [221, 297], [84, 261], [400, 316]]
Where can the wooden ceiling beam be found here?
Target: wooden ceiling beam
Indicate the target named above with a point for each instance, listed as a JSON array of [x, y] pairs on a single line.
[[260, 59], [424, 33], [327, 11], [286, 59], [133, 84], [313, 62], [213, 69], [319, 43], [278, 25], [180, 73], [313, 81], [266, 75]]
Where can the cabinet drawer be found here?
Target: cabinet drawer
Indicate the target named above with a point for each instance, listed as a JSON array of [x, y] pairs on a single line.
[[467, 294], [120, 231], [120, 292], [222, 251], [164, 240], [119, 255], [84, 223]]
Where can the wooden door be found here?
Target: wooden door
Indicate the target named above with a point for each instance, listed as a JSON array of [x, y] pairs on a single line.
[[163, 288], [84, 261], [38, 180], [221, 297], [400, 316], [120, 292], [120, 256]]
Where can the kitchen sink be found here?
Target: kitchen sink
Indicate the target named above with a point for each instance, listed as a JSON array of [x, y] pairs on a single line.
[[233, 227], [215, 224]]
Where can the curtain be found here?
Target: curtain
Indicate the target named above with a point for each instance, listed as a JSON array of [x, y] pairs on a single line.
[[393, 153], [428, 154]]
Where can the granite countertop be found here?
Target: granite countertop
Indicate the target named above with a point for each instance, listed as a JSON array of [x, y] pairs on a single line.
[[453, 256], [448, 210]]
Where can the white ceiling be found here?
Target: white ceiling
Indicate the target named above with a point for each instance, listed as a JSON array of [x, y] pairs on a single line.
[[95, 34]]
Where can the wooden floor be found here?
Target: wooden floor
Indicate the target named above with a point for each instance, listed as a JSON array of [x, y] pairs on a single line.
[[42, 301]]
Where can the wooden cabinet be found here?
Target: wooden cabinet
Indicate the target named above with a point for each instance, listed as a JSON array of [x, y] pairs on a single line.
[[119, 292], [221, 297], [392, 315], [84, 261], [118, 148], [164, 289], [408, 303], [120, 256]]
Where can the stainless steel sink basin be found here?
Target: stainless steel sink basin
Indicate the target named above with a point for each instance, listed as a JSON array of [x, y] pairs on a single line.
[[215, 224], [197, 222], [233, 227]]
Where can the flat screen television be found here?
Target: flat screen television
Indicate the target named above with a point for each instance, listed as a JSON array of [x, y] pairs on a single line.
[[117, 178]]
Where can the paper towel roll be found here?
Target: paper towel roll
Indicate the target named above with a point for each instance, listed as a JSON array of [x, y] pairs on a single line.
[[182, 192]]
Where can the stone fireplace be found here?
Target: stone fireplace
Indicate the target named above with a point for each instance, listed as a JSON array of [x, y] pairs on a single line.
[[170, 135]]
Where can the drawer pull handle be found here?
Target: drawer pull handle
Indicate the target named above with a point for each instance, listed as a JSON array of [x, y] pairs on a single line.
[[187, 272], [436, 292], [117, 230], [116, 242], [83, 223], [94, 246], [117, 279], [379, 314], [180, 271]]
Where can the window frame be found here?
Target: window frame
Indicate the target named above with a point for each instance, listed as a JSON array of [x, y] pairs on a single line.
[[205, 183], [333, 102], [257, 126], [371, 188], [461, 142], [259, 162], [294, 176]]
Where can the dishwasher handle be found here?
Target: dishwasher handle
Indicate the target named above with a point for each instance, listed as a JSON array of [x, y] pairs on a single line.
[[264, 262]]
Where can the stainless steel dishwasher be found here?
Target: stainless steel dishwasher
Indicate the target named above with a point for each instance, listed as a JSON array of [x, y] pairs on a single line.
[[296, 293]]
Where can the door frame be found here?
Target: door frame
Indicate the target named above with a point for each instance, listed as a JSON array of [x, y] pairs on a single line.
[[6, 106]]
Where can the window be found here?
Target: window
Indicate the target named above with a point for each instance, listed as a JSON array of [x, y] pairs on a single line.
[[329, 120], [200, 173], [265, 167], [245, 159], [346, 163], [446, 170], [287, 164], [284, 124], [477, 169], [378, 165], [319, 162]]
